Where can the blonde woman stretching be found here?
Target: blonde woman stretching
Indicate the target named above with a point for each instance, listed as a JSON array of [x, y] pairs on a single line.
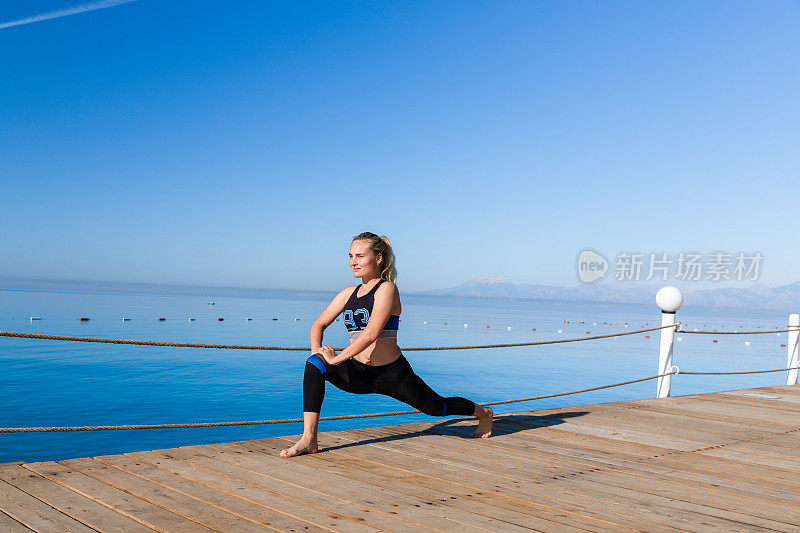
[[372, 363]]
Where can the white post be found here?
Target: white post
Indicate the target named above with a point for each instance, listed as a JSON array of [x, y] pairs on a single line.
[[791, 346], [669, 299]]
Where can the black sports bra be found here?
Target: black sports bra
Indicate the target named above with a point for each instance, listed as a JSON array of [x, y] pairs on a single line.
[[357, 311]]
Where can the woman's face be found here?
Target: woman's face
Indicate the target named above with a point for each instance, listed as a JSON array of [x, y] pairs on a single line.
[[363, 261]]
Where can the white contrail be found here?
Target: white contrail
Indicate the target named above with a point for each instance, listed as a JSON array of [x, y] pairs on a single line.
[[91, 6]]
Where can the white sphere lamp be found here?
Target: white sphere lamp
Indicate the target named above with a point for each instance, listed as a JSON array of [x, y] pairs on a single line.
[[669, 299]]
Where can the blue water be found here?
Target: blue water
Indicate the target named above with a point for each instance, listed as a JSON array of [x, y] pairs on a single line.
[[50, 383]]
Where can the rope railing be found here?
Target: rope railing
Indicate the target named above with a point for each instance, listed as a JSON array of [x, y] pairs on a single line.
[[296, 420], [796, 328], [359, 416], [134, 342], [740, 372]]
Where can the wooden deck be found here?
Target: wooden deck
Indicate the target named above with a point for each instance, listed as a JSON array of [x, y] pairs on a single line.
[[726, 461]]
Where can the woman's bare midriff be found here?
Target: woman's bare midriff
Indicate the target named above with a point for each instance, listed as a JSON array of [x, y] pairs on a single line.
[[380, 352]]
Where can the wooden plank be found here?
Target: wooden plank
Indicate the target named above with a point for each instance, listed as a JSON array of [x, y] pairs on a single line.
[[78, 507], [552, 458], [383, 499], [451, 499], [256, 495], [259, 475], [545, 439], [761, 459], [679, 423], [484, 464], [122, 502], [34, 513], [745, 413], [665, 455], [697, 412], [207, 495], [173, 501], [729, 493], [455, 495], [617, 459], [9, 525], [659, 439], [719, 499], [546, 429], [785, 480], [635, 469], [781, 409], [779, 389], [438, 475], [621, 482], [768, 447], [780, 421], [789, 439], [766, 398], [668, 424], [717, 410]]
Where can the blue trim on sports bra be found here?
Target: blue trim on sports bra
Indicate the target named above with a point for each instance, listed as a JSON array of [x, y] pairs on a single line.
[[392, 323]]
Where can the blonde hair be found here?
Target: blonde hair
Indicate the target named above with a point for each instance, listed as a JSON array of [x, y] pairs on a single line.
[[381, 245]]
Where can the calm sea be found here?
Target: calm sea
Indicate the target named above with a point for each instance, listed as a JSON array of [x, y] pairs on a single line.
[[49, 383]]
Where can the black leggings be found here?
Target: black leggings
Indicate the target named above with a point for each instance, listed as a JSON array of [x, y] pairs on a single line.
[[396, 379]]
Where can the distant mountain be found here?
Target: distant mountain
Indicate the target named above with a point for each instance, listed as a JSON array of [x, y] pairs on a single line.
[[785, 297]]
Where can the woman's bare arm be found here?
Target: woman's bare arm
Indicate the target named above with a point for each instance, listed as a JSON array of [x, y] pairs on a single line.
[[327, 317]]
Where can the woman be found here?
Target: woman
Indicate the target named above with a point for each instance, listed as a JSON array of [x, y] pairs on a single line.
[[372, 363]]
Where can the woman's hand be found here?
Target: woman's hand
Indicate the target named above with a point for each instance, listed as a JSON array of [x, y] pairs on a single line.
[[328, 354]]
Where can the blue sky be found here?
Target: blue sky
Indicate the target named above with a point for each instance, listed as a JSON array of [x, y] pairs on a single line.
[[245, 143]]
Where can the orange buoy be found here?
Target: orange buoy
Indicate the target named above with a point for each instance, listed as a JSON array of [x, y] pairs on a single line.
[[588, 332], [715, 340], [445, 323], [533, 329], [647, 336], [487, 326], [783, 346]]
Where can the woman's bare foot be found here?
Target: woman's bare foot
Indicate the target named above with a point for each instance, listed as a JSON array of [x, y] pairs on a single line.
[[303, 446], [484, 429]]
